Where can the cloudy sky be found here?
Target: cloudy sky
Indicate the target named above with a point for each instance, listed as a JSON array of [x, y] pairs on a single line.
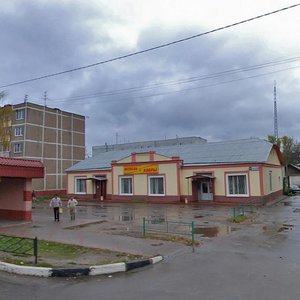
[[218, 86]]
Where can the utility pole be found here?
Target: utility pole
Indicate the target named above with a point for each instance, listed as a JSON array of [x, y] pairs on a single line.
[[275, 113]]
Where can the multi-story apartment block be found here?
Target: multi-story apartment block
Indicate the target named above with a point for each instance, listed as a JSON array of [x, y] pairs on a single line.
[[53, 136]]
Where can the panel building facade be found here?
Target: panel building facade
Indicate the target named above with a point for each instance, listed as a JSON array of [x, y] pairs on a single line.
[[53, 136]]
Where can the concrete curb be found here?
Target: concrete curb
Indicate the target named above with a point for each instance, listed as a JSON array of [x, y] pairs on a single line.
[[74, 272]]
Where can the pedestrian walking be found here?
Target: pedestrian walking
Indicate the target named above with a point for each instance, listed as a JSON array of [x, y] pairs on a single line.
[[72, 203], [33, 199], [56, 204]]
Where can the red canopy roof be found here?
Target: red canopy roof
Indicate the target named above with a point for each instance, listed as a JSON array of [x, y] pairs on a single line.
[[17, 167]]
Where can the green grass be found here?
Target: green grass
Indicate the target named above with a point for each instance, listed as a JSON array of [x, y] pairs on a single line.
[[238, 219], [52, 249], [16, 245], [49, 252]]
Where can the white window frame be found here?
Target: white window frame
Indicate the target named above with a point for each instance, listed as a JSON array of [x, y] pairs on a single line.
[[246, 182], [75, 187], [19, 131], [18, 148], [149, 186], [122, 192], [20, 114]]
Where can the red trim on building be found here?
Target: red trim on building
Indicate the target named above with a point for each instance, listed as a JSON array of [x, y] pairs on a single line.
[[27, 195], [178, 178], [51, 192], [151, 154], [261, 180], [146, 199], [133, 157], [14, 167], [18, 162]]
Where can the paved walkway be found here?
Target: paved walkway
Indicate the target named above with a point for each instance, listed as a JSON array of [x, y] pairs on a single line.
[[83, 232]]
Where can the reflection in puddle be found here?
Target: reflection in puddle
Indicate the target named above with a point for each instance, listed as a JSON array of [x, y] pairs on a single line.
[[125, 218], [285, 227], [277, 228], [214, 231]]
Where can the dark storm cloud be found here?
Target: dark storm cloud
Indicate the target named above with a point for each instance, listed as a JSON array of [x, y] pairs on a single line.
[[219, 111], [40, 38], [47, 37]]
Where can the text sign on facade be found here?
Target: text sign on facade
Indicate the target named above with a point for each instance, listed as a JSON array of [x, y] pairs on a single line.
[[141, 169]]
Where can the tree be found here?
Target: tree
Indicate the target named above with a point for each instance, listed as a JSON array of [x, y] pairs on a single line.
[[287, 144], [5, 125], [289, 147]]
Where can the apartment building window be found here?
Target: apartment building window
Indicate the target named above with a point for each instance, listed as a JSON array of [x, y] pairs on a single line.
[[80, 185], [237, 185], [156, 186], [18, 148], [20, 114], [126, 185], [19, 131]]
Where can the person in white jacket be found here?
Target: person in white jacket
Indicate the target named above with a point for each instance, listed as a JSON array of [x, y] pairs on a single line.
[[72, 203], [56, 203]]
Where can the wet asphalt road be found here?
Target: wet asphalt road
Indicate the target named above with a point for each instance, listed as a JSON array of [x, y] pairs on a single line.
[[260, 260]]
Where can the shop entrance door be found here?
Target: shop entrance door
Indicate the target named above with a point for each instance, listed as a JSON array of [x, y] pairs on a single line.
[[204, 191], [100, 189]]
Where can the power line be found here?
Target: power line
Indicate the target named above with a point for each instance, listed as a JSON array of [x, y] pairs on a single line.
[[152, 48], [82, 100], [182, 81]]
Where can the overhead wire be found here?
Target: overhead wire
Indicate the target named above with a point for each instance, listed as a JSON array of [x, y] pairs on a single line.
[[180, 81], [141, 97], [150, 49]]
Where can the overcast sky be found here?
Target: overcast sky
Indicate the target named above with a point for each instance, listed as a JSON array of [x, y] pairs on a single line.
[[218, 86]]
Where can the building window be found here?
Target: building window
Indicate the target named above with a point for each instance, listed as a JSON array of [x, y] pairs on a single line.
[[270, 181], [19, 131], [156, 185], [18, 148], [126, 185], [20, 113], [237, 185], [80, 187]]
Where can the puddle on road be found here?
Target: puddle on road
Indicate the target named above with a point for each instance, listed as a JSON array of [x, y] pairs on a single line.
[[282, 228], [214, 231], [285, 227]]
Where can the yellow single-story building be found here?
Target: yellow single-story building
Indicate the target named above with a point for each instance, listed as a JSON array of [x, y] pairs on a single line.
[[248, 171]]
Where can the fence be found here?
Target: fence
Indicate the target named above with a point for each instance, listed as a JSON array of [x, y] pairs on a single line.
[[167, 227], [19, 246], [240, 211]]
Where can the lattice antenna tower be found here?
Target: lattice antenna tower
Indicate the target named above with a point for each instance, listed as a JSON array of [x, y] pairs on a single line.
[[275, 113], [45, 98]]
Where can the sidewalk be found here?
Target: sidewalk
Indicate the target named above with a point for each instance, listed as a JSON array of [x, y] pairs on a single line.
[[86, 231], [82, 232]]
